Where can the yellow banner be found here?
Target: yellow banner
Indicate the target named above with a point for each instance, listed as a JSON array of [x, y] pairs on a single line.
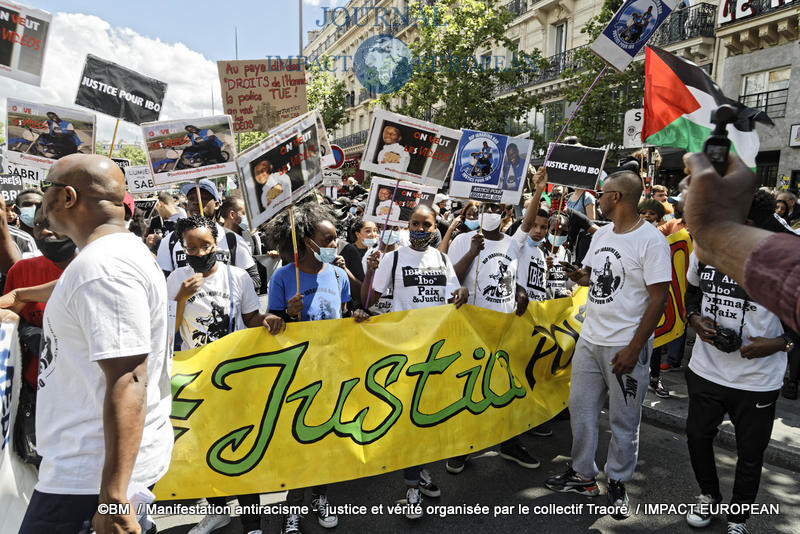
[[672, 324], [334, 400]]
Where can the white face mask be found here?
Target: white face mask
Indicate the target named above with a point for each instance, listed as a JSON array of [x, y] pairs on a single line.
[[491, 221]]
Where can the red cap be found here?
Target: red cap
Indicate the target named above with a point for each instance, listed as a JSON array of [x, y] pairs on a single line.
[[130, 205]]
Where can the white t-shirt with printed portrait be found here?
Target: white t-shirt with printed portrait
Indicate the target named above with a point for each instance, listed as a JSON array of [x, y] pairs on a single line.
[[532, 268], [421, 278], [496, 268], [384, 304], [730, 369], [623, 265], [207, 315]]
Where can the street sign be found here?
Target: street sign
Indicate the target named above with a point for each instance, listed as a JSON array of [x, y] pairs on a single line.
[[338, 154]]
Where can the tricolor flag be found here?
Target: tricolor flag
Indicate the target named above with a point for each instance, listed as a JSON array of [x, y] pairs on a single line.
[[678, 100]]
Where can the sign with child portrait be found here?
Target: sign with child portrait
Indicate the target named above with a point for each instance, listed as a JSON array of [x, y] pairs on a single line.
[[490, 167], [408, 196], [409, 149], [280, 170]]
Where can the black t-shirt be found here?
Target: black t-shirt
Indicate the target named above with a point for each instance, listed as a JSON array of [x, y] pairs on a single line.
[[352, 258]]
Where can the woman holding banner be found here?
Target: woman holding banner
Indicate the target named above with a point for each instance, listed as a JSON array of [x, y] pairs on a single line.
[[418, 276]]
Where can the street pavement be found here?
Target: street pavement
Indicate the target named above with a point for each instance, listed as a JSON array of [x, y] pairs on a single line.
[[664, 475]]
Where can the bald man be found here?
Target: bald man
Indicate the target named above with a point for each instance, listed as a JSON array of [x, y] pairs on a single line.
[[102, 419], [628, 271]]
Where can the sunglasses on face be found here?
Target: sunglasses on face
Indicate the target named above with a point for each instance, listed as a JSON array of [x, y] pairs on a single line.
[[47, 184], [601, 193]]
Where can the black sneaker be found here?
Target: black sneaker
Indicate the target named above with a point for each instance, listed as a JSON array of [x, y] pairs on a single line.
[[291, 524], [326, 519], [572, 482], [658, 388], [543, 431], [518, 453], [426, 485], [456, 465], [618, 498]]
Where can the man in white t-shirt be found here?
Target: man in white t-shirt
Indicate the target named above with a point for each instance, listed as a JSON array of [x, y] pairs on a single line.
[[490, 257], [628, 271], [737, 367], [171, 255], [104, 399]]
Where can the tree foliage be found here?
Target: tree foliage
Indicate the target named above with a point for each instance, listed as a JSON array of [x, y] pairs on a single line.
[[328, 95], [450, 84], [600, 119], [134, 153]]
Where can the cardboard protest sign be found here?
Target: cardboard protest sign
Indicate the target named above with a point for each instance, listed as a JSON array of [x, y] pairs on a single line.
[[575, 166], [632, 133], [490, 167], [140, 180], [10, 187], [408, 196], [326, 154], [30, 175], [280, 170], [260, 94], [187, 149], [23, 43], [39, 134], [409, 149], [120, 92], [146, 205], [630, 28], [331, 177]]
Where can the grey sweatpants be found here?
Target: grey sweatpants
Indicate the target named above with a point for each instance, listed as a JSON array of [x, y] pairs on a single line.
[[592, 380]]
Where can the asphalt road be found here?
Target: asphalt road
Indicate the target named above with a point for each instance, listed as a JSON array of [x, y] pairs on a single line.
[[664, 475]]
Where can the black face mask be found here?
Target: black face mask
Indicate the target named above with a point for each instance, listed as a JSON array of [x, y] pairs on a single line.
[[56, 250], [202, 264]]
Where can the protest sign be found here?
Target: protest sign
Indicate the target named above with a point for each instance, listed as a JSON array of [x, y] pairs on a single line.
[[575, 166], [632, 133], [146, 205], [25, 37], [630, 28], [31, 176], [490, 167], [122, 162], [120, 92], [10, 187], [408, 197], [187, 149], [251, 410], [672, 324], [140, 180], [260, 94], [331, 177], [280, 170], [409, 149], [39, 134], [326, 154]]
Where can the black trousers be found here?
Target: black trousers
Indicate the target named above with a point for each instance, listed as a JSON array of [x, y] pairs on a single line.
[[752, 414], [249, 521]]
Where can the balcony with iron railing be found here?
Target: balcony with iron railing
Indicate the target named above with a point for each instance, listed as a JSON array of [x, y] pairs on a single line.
[[517, 7], [688, 23], [358, 138], [773, 103], [551, 70]]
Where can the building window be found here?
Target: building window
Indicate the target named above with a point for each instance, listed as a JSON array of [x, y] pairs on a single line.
[[767, 167], [512, 56], [767, 90], [486, 61], [559, 38]]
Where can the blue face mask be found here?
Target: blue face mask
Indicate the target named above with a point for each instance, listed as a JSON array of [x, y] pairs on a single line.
[[560, 240], [244, 224], [325, 254], [532, 243], [26, 215], [390, 237], [353, 210], [472, 224], [370, 242], [524, 211]]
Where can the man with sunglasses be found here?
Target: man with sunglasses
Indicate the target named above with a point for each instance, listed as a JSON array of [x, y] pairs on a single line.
[[104, 398], [628, 271]]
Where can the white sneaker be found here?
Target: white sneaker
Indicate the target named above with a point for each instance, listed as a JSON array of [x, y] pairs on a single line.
[[319, 504], [699, 515], [736, 528], [210, 523], [255, 532], [414, 503]]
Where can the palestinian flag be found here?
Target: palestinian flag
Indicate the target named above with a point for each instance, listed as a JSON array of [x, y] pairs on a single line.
[[678, 100]]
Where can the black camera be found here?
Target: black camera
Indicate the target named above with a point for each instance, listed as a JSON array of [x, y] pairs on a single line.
[[726, 340]]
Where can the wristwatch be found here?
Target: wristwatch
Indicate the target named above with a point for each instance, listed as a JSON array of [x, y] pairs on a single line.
[[789, 343]]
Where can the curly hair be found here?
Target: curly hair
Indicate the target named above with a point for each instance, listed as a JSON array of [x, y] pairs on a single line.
[[307, 218], [194, 222]]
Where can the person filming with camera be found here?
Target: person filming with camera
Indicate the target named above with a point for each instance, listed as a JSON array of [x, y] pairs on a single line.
[[737, 367]]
